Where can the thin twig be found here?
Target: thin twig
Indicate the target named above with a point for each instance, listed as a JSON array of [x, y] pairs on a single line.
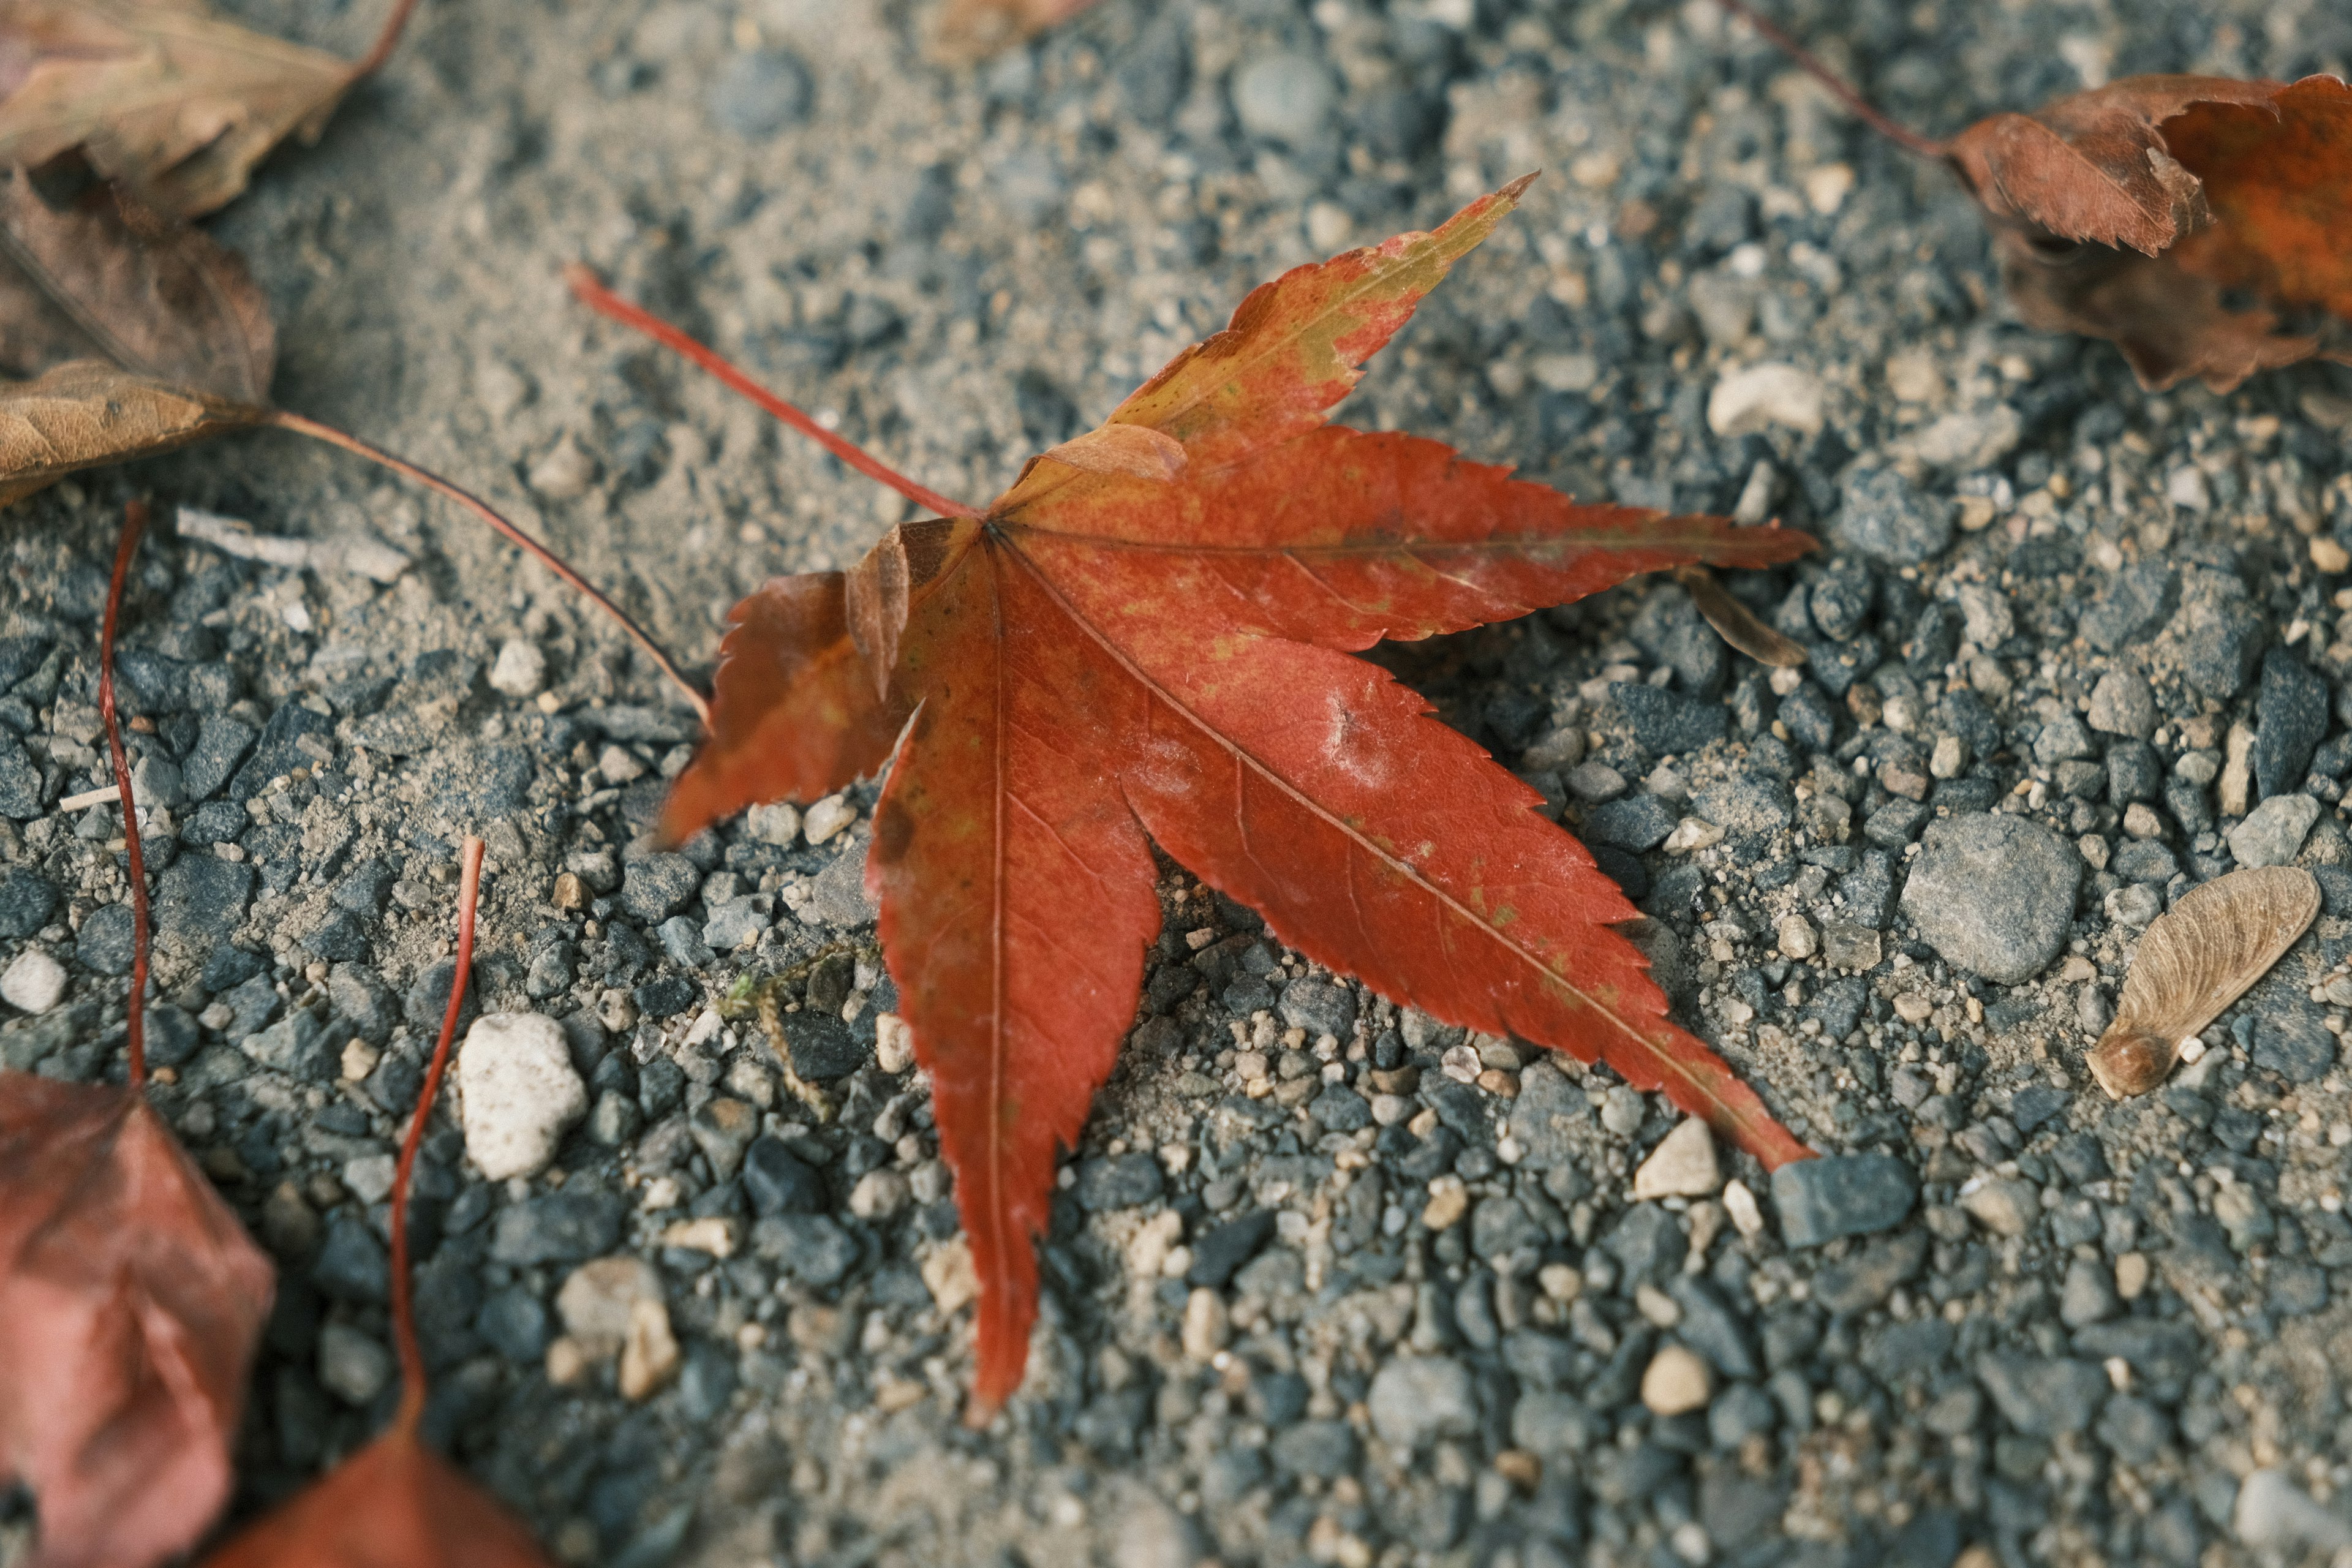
[[386, 41], [1901, 136], [592, 292], [134, 523], [481, 509], [403, 1310]]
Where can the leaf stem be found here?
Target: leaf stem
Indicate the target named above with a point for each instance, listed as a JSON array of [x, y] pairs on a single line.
[[386, 41], [403, 1310], [1901, 136], [134, 523], [590, 291], [481, 509]]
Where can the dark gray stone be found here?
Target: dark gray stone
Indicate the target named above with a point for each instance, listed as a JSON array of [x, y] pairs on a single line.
[[351, 1265], [563, 1227], [105, 940], [1636, 822], [1670, 629], [1117, 1182], [1498, 1226], [1322, 1448], [514, 1323], [1885, 516], [666, 998], [658, 886], [20, 781], [25, 899], [2218, 632], [761, 92], [200, 900], [361, 1001], [2044, 1398], [1714, 1329], [2295, 1046], [1870, 1276], [427, 1003], [2293, 709], [809, 1248], [1811, 721], [822, 1046], [1647, 1241], [1667, 722], [1897, 1352], [275, 753], [2133, 604], [1219, 1254], [777, 1182], [1320, 1007], [1842, 1194], [220, 745], [1341, 1109], [1994, 894]]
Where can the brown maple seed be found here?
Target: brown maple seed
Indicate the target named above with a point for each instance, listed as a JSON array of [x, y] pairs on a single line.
[[2193, 963]]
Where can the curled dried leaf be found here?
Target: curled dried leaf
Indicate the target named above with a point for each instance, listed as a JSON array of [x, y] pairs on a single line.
[[85, 413], [162, 95], [2193, 963], [2197, 222], [1735, 623], [974, 29], [103, 275], [132, 1301]]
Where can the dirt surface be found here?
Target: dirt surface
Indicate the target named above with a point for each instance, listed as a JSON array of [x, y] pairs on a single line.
[[1317, 1290]]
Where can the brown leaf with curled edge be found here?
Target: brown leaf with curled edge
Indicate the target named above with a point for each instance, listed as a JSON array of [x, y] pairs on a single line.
[[2197, 222], [131, 1302], [85, 413], [2196, 959], [107, 277], [161, 94], [973, 29], [394, 1504]]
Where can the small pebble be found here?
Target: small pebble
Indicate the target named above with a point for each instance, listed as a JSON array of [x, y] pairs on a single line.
[[519, 670], [1675, 1382], [827, 818], [1683, 1166], [34, 982]]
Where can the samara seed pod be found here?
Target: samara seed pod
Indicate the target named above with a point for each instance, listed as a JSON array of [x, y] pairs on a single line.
[[2194, 961]]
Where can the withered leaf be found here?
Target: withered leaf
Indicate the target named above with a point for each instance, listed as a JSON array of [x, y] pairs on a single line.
[[107, 277], [394, 1504], [86, 413], [132, 1301], [2198, 222], [2194, 961], [160, 94], [972, 29], [1150, 637]]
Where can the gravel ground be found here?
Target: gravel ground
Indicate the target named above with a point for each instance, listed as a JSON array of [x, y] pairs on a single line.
[[1328, 1281]]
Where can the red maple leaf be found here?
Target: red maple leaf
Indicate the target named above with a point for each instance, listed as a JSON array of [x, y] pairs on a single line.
[[1148, 638], [131, 1300]]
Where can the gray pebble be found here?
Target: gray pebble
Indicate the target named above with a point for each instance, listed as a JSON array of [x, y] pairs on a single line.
[[760, 93], [569, 1226], [1283, 96], [1885, 516], [2274, 832], [1415, 1400], [1994, 893], [1842, 1194], [1665, 722]]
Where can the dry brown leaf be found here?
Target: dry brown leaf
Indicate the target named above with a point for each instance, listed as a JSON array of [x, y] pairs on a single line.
[[2197, 222], [161, 94], [973, 29], [2194, 961], [87, 413], [106, 277], [1735, 623]]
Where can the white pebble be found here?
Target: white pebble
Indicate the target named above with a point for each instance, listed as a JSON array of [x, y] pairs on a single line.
[[827, 817], [1683, 1166], [519, 670], [352, 1366], [34, 982], [1747, 400], [778, 823], [518, 1092], [894, 1042]]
